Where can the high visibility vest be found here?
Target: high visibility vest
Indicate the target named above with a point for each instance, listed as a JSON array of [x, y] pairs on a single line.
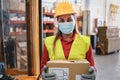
[[78, 50]]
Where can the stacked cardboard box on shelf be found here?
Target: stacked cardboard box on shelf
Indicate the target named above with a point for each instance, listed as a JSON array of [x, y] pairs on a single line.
[[10, 4], [22, 5], [109, 39], [15, 4]]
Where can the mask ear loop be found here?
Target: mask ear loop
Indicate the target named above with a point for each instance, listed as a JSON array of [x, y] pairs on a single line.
[[73, 17], [55, 22], [75, 22]]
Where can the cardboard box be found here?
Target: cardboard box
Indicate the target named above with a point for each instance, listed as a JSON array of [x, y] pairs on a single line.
[[22, 5], [68, 70], [108, 32], [13, 5]]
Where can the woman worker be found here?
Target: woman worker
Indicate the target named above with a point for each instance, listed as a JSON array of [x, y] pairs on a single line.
[[68, 43]]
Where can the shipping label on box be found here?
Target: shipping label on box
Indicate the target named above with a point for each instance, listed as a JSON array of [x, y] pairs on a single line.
[[61, 73], [78, 77]]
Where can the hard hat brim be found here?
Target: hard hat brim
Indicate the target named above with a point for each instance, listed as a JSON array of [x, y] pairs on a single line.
[[63, 14]]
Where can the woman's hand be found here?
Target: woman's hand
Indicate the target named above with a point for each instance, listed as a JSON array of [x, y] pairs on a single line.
[[47, 76], [91, 74]]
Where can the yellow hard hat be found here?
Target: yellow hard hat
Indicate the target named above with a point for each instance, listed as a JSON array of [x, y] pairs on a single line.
[[64, 8]]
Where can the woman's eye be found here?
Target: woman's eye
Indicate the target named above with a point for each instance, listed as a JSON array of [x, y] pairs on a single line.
[[61, 20]]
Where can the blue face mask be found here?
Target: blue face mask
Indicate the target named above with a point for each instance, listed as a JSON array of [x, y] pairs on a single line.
[[66, 27]]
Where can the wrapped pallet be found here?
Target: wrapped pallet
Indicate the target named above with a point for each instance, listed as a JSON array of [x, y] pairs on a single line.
[[109, 39]]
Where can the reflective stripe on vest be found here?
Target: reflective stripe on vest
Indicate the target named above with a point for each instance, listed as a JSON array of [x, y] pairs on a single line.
[[78, 50]]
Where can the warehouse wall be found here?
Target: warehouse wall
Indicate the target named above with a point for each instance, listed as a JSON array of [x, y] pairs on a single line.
[[97, 8], [100, 9], [117, 21]]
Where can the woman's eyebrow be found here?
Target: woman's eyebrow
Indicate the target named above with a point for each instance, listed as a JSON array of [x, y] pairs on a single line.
[[61, 18]]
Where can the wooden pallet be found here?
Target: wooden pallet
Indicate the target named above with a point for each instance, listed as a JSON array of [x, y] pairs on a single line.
[[26, 78], [15, 71]]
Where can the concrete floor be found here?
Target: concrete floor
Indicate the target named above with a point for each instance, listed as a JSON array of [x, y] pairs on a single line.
[[108, 66]]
